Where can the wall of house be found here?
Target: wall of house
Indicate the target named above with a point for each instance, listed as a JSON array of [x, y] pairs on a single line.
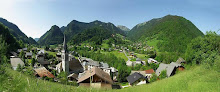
[[97, 85]]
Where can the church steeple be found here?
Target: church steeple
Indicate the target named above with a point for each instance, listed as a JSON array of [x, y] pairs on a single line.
[[64, 43], [65, 57]]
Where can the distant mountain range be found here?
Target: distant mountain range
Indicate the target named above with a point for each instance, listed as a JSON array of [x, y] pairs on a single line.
[[36, 39], [76, 27], [123, 28], [170, 33], [16, 32]]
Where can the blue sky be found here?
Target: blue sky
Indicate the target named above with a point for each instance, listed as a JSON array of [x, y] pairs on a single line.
[[35, 17]]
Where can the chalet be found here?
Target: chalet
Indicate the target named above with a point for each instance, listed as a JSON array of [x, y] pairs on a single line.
[[75, 66], [149, 73], [136, 79], [14, 54], [43, 72], [177, 66], [180, 61], [40, 58], [58, 56], [169, 68], [28, 55], [24, 49], [151, 60], [140, 72], [95, 78], [73, 77], [15, 61], [88, 63], [129, 63]]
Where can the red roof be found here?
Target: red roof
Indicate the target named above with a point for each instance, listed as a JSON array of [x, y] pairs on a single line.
[[150, 71], [42, 71]]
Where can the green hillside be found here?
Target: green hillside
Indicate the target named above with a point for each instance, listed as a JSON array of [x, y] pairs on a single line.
[[196, 79], [51, 37], [16, 32], [171, 33], [7, 45]]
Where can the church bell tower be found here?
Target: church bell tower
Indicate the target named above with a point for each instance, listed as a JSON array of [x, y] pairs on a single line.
[[65, 57]]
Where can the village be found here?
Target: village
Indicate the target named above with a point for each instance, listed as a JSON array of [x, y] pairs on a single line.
[[65, 68]]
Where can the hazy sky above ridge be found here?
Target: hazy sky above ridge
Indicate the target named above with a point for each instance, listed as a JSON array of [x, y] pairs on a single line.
[[35, 17]]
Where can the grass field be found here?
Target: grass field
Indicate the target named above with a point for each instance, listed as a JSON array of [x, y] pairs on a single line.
[[13, 81], [118, 54], [196, 79]]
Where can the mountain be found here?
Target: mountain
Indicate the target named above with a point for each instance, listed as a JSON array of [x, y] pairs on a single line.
[[16, 32], [63, 28], [7, 41], [51, 37], [75, 27], [123, 28], [169, 33], [36, 39]]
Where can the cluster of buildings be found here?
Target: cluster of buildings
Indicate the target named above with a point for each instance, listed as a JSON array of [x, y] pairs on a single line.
[[85, 71], [143, 77]]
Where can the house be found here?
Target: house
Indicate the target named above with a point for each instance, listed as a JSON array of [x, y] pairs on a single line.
[[151, 60], [136, 79], [43, 72], [73, 77], [24, 49], [140, 72], [28, 55], [178, 66], [15, 61], [40, 58], [14, 54], [95, 78], [180, 61], [139, 61], [74, 67], [59, 67], [88, 63], [58, 56], [149, 73], [129, 63], [169, 68]]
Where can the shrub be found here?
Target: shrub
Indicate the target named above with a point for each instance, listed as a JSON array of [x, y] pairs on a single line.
[[163, 74], [153, 78]]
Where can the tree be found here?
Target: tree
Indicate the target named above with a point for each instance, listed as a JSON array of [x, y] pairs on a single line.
[[19, 68], [153, 78], [33, 61], [204, 50], [163, 74]]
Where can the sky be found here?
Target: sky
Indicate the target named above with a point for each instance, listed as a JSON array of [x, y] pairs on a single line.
[[35, 17]]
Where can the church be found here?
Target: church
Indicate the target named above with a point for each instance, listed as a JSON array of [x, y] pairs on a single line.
[[68, 64]]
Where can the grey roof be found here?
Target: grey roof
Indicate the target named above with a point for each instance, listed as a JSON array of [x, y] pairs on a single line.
[[90, 61], [104, 65], [180, 60], [169, 67], [138, 59], [25, 49], [140, 72], [40, 52], [75, 66], [93, 63], [28, 54], [15, 62], [134, 77], [175, 64]]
